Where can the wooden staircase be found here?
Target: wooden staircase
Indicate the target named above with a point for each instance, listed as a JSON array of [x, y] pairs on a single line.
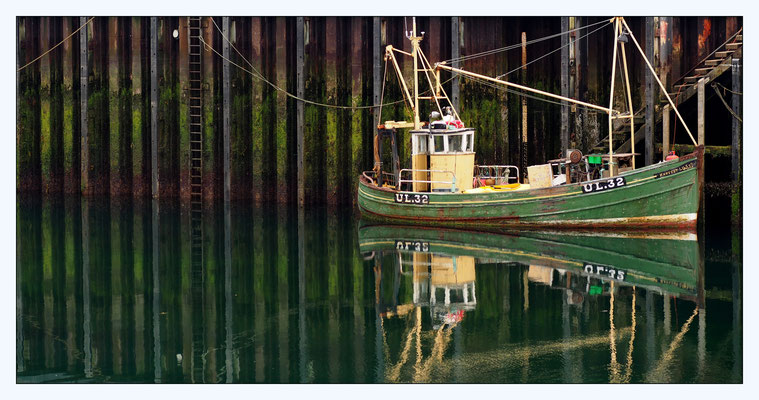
[[711, 68]]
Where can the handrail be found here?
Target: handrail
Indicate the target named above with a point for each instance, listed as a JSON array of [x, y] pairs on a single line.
[[452, 182]]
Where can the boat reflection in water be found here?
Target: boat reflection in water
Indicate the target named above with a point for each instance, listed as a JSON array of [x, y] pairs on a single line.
[[595, 272]]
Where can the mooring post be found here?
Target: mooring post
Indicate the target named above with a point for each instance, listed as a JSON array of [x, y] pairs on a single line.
[[83, 76], [455, 52], [301, 91], [523, 165], [564, 85], [225, 100], [665, 132], [736, 105], [736, 100], [154, 105], [701, 109], [650, 94]]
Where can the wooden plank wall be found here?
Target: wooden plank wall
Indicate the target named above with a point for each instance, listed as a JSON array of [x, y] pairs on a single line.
[[338, 69]]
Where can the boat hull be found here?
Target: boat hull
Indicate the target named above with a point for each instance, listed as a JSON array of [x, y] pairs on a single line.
[[664, 195]]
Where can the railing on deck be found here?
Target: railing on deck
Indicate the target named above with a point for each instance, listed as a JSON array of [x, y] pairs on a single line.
[[499, 174], [387, 178], [452, 182]]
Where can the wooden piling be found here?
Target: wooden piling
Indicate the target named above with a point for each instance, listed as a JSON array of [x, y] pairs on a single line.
[[665, 132], [225, 107], [564, 130], [701, 111], [182, 73], [523, 158], [154, 106], [45, 97], [84, 73], [650, 91], [332, 114], [139, 143], [281, 131], [355, 118], [301, 88], [737, 142], [455, 53], [71, 154], [240, 103], [210, 114], [257, 90]]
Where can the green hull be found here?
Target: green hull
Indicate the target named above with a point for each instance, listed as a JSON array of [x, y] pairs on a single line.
[[668, 264], [664, 195]]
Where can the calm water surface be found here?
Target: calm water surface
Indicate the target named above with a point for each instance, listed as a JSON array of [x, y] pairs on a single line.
[[147, 292]]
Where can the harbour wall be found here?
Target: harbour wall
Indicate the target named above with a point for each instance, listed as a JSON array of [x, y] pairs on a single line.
[[102, 112]]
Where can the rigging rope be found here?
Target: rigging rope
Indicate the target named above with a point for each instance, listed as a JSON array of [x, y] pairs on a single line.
[[59, 43], [552, 51], [725, 103], [519, 45]]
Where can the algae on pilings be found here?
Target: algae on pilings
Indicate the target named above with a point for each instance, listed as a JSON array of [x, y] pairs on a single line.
[[98, 110], [71, 109], [28, 164], [140, 104], [120, 101], [168, 109], [314, 129], [241, 144]]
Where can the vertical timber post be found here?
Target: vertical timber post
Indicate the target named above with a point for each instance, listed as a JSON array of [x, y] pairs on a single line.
[[736, 100], [564, 85], [83, 77], [455, 52], [523, 165], [301, 90], [650, 90], [665, 132], [154, 105], [376, 69], [701, 116], [225, 118]]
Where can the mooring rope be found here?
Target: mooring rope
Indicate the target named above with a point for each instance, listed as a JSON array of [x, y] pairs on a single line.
[[59, 43]]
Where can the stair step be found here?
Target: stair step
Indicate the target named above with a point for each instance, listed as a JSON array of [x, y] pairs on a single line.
[[702, 71], [692, 78], [713, 63], [739, 38], [733, 46], [723, 54]]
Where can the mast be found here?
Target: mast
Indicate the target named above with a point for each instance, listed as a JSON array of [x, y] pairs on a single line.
[[415, 53]]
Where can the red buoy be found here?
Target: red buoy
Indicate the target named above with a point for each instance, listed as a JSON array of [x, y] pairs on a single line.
[[671, 156]]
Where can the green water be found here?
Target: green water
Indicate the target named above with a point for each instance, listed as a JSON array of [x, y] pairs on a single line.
[[142, 292]]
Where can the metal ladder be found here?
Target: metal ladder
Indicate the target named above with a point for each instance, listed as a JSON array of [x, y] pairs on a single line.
[[196, 197]]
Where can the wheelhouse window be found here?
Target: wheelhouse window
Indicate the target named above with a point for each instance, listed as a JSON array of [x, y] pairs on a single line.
[[455, 142]]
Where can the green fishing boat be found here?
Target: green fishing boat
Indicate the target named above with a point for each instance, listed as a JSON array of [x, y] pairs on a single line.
[[444, 186]]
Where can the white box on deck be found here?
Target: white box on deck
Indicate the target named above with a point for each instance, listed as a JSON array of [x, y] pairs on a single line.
[[541, 176]]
